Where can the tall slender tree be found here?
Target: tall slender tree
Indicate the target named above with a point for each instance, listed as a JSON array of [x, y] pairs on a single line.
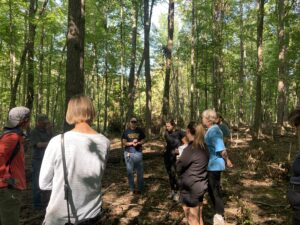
[[147, 68], [241, 72], [131, 80], [259, 68], [168, 55], [282, 79], [193, 76], [218, 69]]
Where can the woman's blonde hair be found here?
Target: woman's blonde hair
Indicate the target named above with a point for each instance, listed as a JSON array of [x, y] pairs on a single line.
[[210, 115], [198, 131], [80, 109]]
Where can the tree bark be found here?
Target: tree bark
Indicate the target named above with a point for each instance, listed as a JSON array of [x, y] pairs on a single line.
[[131, 80], [75, 49], [282, 79], [39, 100], [49, 77], [106, 78], [30, 55], [241, 73], [193, 77], [147, 67], [218, 70], [168, 56], [259, 68]]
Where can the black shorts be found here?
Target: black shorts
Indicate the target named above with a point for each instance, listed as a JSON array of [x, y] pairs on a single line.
[[191, 200]]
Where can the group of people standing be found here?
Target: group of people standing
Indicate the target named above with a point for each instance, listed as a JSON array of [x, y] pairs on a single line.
[[196, 168], [193, 159]]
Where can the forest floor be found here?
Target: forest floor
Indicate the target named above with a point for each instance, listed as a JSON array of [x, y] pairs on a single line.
[[254, 189]]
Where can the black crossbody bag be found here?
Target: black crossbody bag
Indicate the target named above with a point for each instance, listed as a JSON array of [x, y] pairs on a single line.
[[98, 220]]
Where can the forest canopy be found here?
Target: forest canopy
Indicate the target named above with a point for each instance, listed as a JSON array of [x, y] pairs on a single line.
[[240, 57]]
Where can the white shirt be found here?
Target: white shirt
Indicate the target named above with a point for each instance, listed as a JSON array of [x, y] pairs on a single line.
[[86, 156]]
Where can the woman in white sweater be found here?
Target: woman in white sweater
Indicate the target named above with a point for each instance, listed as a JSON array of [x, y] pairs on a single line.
[[86, 155]]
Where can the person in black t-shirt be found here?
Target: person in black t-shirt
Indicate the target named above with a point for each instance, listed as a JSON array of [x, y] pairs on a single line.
[[294, 188], [173, 139], [133, 138]]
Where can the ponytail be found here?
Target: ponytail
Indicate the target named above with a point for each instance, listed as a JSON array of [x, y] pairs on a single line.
[[198, 131]]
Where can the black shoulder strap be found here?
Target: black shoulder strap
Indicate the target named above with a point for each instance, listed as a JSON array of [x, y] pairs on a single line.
[[15, 150], [66, 186]]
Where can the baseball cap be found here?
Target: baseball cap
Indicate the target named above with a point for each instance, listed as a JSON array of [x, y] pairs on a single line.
[[16, 115], [133, 120]]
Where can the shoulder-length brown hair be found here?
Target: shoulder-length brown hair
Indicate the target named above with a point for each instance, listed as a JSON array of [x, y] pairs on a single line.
[[80, 109]]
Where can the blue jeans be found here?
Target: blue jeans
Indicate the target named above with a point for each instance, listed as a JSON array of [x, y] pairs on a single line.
[[134, 162], [36, 191]]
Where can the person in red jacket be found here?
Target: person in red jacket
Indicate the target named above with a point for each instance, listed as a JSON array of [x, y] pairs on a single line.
[[12, 165]]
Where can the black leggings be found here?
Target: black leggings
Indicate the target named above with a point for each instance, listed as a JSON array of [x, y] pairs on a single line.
[[214, 190], [294, 199], [170, 164]]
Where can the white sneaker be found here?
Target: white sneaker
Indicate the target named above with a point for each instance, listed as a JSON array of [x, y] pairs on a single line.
[[218, 220]]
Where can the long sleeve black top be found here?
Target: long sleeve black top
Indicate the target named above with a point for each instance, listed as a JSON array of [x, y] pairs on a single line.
[[173, 139], [192, 169]]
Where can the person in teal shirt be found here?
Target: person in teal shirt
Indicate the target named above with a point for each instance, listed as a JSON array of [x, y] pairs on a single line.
[[218, 159]]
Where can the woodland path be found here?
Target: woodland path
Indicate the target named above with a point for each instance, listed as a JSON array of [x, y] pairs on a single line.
[[254, 190]]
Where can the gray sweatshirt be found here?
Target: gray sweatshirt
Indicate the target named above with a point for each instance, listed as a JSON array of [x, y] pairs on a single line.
[[86, 156]]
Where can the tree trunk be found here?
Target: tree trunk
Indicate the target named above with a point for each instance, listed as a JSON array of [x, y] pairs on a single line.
[[30, 55], [12, 57], [39, 100], [218, 16], [282, 79], [147, 68], [131, 81], [106, 79], [241, 73], [259, 68], [122, 87], [168, 55], [193, 77], [75, 50], [49, 77]]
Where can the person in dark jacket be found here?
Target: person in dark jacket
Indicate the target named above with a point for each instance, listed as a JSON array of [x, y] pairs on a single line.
[[294, 188], [173, 139], [192, 171]]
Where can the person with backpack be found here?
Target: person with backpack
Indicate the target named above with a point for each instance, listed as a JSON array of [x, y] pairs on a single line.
[[12, 165], [39, 139]]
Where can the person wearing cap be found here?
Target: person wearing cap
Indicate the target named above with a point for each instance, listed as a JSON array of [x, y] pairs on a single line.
[[39, 139], [294, 188], [133, 138], [12, 169]]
